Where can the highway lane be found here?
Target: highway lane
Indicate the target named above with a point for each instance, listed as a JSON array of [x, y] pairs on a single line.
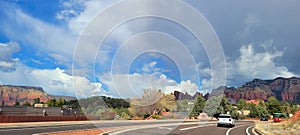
[[241, 128], [43, 129], [29, 130]]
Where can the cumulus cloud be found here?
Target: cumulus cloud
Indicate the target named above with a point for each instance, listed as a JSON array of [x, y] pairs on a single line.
[[43, 36], [133, 85], [248, 65], [7, 62], [79, 13], [53, 81], [252, 64]]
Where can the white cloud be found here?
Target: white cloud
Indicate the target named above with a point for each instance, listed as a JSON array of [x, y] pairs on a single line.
[[150, 67], [7, 62], [42, 36], [78, 14], [53, 81], [251, 64], [133, 85]]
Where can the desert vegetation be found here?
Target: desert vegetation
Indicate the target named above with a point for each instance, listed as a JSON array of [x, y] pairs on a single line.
[[288, 127]]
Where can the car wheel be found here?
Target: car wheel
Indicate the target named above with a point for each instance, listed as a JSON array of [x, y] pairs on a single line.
[[218, 125]]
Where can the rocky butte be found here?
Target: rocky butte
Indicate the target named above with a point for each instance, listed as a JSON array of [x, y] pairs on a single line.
[[9, 94], [284, 89]]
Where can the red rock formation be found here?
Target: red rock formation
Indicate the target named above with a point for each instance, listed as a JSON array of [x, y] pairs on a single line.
[[284, 89], [10, 94]]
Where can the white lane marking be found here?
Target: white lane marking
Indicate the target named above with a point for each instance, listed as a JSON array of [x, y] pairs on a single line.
[[228, 131], [183, 129], [151, 126], [247, 130], [167, 128], [254, 132]]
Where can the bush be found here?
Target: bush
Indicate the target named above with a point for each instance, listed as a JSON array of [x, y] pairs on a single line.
[[125, 116], [107, 115], [137, 118], [156, 117], [146, 116]]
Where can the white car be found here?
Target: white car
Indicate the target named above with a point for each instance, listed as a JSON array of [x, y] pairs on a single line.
[[225, 120]]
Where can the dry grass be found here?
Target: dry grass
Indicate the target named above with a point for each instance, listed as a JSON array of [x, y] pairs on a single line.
[[288, 127]]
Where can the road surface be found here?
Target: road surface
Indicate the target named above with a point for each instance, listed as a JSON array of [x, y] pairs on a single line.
[[153, 127], [202, 128], [35, 129]]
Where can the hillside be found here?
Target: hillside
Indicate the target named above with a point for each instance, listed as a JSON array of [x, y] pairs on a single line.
[[284, 89], [9, 94]]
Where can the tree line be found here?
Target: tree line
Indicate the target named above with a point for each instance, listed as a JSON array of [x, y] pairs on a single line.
[[153, 103], [52, 103]]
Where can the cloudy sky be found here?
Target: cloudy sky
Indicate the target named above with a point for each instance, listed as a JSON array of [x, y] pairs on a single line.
[[119, 48]]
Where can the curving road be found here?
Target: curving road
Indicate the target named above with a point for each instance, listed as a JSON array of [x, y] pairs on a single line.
[[157, 127], [33, 128], [202, 128]]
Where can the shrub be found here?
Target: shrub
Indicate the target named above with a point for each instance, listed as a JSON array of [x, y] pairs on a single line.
[[156, 117], [137, 118], [107, 115], [125, 116]]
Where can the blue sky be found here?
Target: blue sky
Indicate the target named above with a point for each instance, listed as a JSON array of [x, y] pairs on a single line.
[[40, 45]]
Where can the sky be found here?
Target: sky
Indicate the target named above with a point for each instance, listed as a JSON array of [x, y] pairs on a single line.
[[119, 48]]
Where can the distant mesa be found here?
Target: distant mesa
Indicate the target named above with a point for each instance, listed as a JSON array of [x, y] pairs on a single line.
[[9, 94], [284, 89]]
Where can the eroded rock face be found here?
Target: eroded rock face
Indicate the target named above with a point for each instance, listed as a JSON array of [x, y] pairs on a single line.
[[284, 89], [10, 94]]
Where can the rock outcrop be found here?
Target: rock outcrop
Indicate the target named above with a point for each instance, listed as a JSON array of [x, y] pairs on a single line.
[[9, 94], [284, 89]]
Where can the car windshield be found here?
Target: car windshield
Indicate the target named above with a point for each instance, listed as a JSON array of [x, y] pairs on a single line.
[[224, 116]]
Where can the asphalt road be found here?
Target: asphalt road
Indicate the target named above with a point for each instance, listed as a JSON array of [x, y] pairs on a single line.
[[29, 130], [203, 128], [170, 127]]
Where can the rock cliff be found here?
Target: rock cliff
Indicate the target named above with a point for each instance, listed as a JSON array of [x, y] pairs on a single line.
[[284, 89], [9, 94]]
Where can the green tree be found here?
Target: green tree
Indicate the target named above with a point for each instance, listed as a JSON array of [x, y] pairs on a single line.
[[257, 111], [51, 103], [212, 106], [294, 109], [273, 105], [198, 107], [286, 108], [167, 103], [262, 111], [225, 105], [17, 103], [242, 105], [26, 104], [73, 103], [253, 110], [234, 113], [36, 101], [60, 102]]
